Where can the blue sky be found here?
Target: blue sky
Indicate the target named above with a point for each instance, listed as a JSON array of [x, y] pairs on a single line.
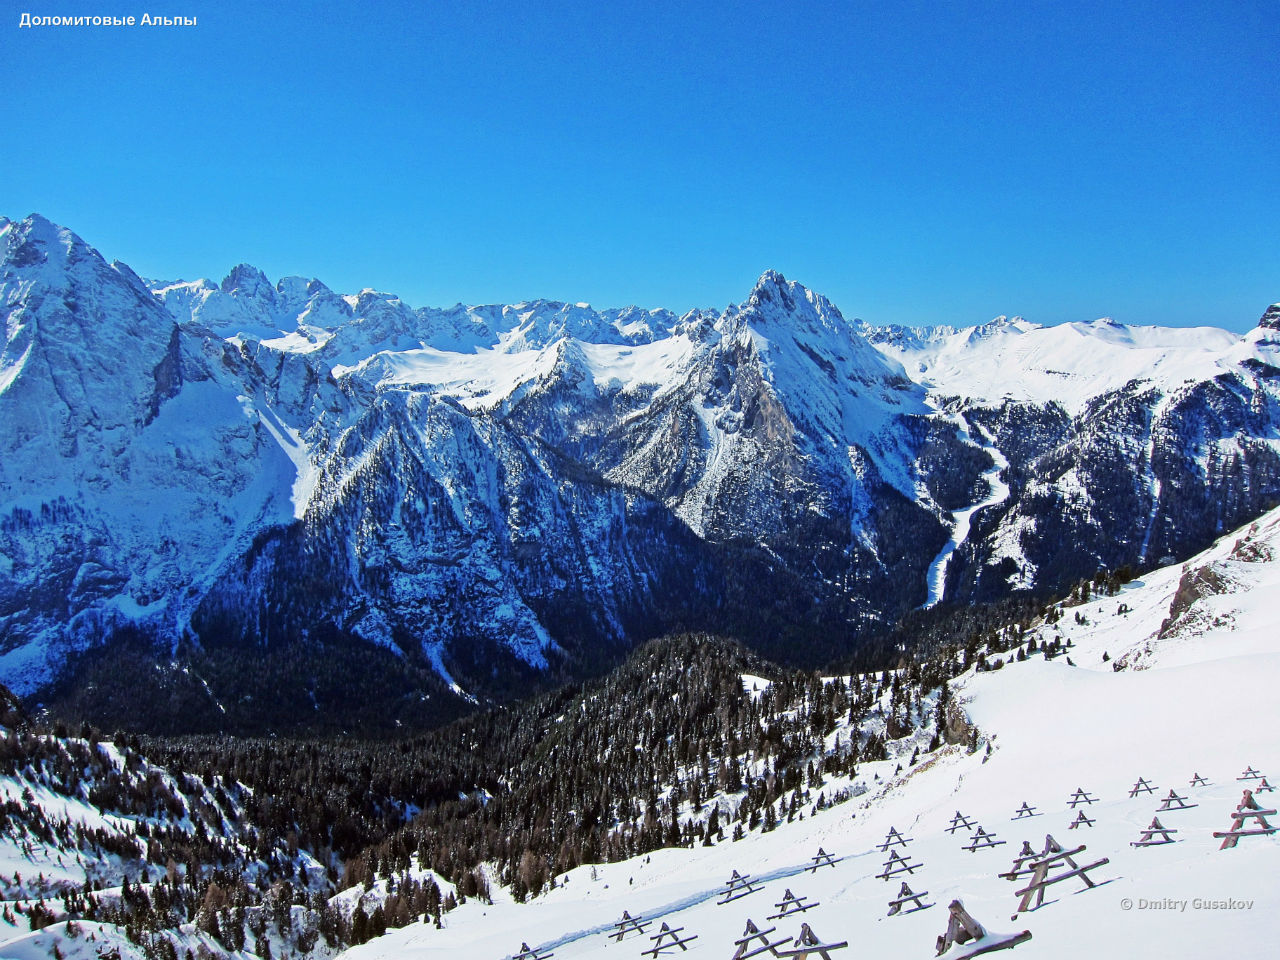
[[917, 162]]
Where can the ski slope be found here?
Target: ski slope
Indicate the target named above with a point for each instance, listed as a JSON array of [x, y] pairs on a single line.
[[1199, 700]]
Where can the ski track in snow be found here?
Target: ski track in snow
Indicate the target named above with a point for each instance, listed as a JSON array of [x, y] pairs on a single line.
[[676, 906], [937, 575]]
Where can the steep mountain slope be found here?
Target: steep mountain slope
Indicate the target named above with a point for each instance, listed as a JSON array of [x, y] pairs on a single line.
[[137, 462], [217, 491]]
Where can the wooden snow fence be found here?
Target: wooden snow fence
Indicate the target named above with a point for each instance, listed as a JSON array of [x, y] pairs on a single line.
[[629, 924], [967, 933], [893, 839], [791, 904], [809, 943], [737, 887], [981, 840], [1020, 868], [906, 896], [1247, 811], [1053, 858], [1149, 836], [1174, 802], [1081, 796], [528, 954], [1081, 820], [752, 933], [960, 822], [822, 859], [897, 864], [1142, 786], [667, 938]]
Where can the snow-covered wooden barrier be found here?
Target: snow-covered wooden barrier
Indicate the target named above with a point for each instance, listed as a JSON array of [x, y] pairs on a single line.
[[897, 864], [822, 859], [1198, 781], [1174, 802], [629, 924], [960, 822], [1142, 786], [981, 840], [738, 886], [1042, 876], [668, 938], [809, 942], [1081, 820], [1149, 839], [790, 904], [906, 896], [1025, 856], [1081, 796], [893, 839], [528, 954], [1024, 811], [972, 937], [1247, 811], [744, 943], [1250, 774]]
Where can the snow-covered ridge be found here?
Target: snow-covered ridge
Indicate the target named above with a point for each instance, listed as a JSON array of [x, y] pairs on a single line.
[[1007, 357], [1068, 364]]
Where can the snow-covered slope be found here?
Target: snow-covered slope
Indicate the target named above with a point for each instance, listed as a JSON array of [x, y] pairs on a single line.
[[1068, 364], [1170, 678]]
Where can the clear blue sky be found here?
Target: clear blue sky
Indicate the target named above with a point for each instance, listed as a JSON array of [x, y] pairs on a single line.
[[917, 162]]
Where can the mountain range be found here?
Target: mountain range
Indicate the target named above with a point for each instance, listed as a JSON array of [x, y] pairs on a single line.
[[246, 505]]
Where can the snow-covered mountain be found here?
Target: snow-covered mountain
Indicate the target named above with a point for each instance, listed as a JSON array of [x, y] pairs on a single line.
[[242, 472]]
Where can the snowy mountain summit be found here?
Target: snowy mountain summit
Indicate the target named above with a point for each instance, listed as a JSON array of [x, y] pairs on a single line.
[[202, 476]]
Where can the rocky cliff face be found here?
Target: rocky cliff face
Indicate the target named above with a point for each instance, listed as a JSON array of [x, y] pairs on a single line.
[[245, 480]]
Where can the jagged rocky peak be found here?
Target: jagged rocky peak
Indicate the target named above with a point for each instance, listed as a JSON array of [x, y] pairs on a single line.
[[1271, 317], [87, 348], [369, 299], [29, 242], [773, 289], [300, 289], [772, 286], [777, 299], [246, 280], [38, 250], [1001, 325]]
